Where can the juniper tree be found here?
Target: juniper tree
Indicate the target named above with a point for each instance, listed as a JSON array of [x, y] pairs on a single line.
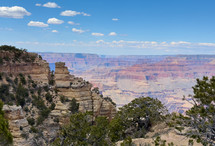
[[200, 119]]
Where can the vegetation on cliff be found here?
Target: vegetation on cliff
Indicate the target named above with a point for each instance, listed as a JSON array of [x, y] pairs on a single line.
[[37, 100], [132, 121], [13, 54], [5, 135]]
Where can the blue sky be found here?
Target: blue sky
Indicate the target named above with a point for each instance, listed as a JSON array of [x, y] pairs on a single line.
[[111, 27]]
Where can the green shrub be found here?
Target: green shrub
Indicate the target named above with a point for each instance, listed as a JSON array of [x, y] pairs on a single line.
[[34, 130], [34, 85], [48, 97], [52, 107], [1, 76], [56, 120], [20, 101], [26, 109], [46, 88], [51, 80], [74, 106], [31, 121], [1, 61], [45, 112], [22, 91], [62, 98], [9, 80], [22, 79], [39, 91], [4, 92], [38, 102], [16, 81], [40, 120], [6, 58]]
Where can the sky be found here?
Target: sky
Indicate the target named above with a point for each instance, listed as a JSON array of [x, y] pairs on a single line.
[[109, 27]]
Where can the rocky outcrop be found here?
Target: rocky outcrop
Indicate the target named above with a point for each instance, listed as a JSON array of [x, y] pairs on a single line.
[[73, 87]]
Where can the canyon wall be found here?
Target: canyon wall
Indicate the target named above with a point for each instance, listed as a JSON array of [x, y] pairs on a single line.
[[124, 78]]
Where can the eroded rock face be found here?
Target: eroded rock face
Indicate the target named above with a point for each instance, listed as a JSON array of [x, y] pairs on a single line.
[[73, 87]]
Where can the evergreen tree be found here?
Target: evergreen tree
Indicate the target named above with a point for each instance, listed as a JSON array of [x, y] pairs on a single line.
[[200, 119], [136, 118], [74, 106]]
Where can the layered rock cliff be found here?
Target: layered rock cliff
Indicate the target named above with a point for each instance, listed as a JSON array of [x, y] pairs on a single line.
[[74, 87], [16, 62]]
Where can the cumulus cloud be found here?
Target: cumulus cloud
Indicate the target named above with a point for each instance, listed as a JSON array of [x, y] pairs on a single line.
[[48, 5], [78, 30], [73, 13], [54, 21], [112, 34], [55, 31], [73, 23], [51, 5], [115, 19], [37, 24], [97, 34], [14, 12]]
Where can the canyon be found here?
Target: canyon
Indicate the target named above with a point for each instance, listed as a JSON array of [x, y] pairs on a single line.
[[123, 78]]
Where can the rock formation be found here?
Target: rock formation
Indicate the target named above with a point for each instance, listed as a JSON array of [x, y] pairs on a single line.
[[74, 87]]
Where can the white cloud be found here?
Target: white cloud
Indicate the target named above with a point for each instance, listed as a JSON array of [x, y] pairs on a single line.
[[97, 34], [73, 23], [14, 12], [207, 44], [115, 19], [37, 24], [51, 5], [73, 13], [78, 30], [112, 34], [38, 5], [54, 21], [55, 31]]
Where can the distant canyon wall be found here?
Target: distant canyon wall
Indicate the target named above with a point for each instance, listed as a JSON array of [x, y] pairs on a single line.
[[124, 78]]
